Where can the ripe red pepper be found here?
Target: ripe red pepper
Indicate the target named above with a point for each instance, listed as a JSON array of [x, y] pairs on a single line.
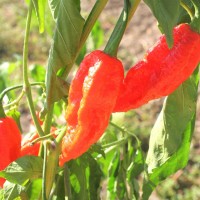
[[10, 140], [92, 97], [27, 146], [161, 71]]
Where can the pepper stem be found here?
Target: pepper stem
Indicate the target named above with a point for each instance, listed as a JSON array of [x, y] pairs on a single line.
[[118, 32], [25, 71]]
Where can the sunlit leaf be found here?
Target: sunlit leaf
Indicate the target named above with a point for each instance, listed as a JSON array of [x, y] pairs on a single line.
[[95, 175], [40, 13], [34, 190], [38, 72], [78, 178], [12, 191], [167, 14], [23, 169], [171, 135], [69, 25], [113, 171]]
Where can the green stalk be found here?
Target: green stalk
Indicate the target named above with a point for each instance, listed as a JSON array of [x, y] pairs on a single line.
[[52, 162], [125, 131], [92, 18], [44, 172], [49, 136], [4, 92], [187, 8], [118, 32], [48, 120], [68, 192], [2, 113], [116, 143], [16, 101], [25, 72]]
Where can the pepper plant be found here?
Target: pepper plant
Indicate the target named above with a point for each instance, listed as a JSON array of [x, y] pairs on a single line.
[[77, 159]]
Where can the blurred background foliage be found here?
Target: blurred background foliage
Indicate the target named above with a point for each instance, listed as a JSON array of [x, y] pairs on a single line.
[[141, 34]]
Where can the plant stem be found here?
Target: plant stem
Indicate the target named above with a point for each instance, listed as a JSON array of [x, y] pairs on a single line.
[[116, 143], [92, 18], [124, 130], [16, 101], [118, 32], [4, 92], [42, 138], [187, 8], [67, 182], [25, 72], [48, 120], [44, 172], [52, 162]]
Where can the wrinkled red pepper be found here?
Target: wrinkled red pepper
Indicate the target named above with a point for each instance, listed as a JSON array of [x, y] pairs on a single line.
[[92, 96], [27, 146], [161, 71], [10, 140]]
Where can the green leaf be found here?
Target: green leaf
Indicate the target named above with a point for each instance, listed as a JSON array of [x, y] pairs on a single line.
[[171, 135], [12, 191], [184, 17], [136, 166], [40, 13], [112, 175], [1, 193], [95, 175], [2, 83], [23, 169], [78, 179], [167, 14], [121, 182], [59, 192], [34, 190], [64, 49], [37, 72], [97, 149]]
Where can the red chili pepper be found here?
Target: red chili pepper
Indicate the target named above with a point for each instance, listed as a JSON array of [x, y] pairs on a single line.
[[10, 140], [92, 96], [161, 71], [27, 146]]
